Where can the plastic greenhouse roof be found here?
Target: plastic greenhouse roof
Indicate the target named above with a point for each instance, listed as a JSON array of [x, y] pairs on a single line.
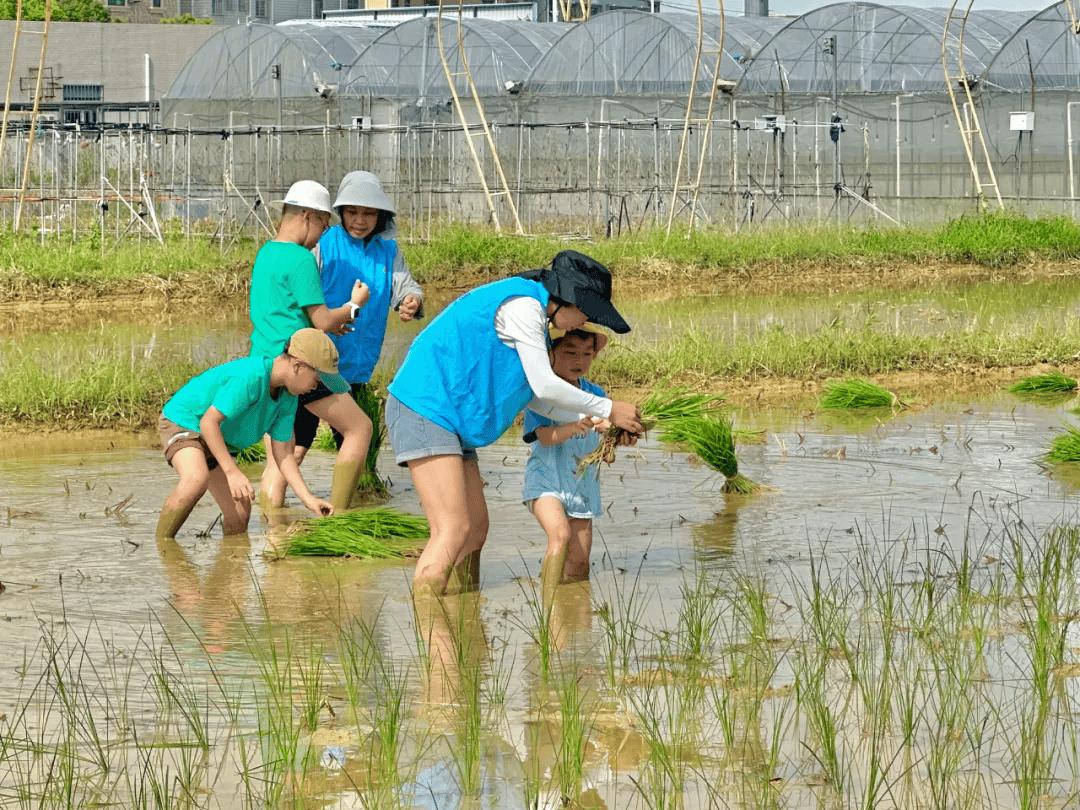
[[1054, 52], [635, 53], [879, 49], [404, 61], [235, 63]]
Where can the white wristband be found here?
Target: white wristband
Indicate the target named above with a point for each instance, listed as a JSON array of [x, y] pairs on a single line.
[[353, 309]]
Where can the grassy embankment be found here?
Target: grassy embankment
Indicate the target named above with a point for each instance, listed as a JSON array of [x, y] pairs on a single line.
[[459, 255], [126, 391]]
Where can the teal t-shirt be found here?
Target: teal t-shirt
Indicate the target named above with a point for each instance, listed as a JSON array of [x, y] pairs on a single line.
[[240, 389], [284, 280]]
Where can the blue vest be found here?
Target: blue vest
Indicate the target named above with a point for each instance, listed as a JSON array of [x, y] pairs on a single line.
[[460, 375], [346, 260]]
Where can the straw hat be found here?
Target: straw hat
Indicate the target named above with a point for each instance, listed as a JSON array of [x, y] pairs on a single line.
[[554, 333]]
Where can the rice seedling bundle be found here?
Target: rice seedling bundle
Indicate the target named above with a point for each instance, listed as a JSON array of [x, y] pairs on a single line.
[[255, 454], [712, 439], [1065, 447], [856, 393], [379, 534], [659, 407], [1053, 382]]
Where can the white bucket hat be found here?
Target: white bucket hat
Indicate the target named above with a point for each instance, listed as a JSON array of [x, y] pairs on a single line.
[[363, 189], [308, 194]]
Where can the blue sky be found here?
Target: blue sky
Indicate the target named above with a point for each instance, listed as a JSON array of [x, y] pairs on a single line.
[[799, 6]]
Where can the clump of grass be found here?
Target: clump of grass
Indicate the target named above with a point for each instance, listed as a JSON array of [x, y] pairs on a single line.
[[854, 392], [255, 454], [1065, 447], [712, 439], [1053, 382], [378, 533]]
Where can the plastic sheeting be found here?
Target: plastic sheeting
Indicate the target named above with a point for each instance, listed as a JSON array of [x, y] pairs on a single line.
[[238, 63], [1044, 49], [404, 62], [880, 49], [635, 53]]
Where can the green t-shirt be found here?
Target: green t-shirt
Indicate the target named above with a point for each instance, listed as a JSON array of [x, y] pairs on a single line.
[[240, 389], [284, 280]]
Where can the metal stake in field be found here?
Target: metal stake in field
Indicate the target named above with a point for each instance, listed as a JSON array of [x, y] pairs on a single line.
[[968, 126], [463, 120]]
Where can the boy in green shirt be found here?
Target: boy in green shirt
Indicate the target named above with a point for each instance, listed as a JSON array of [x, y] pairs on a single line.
[[229, 407], [286, 295]]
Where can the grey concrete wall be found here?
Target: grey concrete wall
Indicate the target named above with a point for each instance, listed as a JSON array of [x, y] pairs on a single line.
[[108, 54]]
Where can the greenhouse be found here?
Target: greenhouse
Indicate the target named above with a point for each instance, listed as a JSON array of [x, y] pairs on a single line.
[[842, 112]]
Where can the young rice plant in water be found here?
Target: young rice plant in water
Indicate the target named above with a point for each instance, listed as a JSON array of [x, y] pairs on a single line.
[[1053, 382], [856, 393], [712, 440]]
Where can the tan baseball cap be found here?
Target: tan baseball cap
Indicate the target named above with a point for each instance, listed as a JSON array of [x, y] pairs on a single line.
[[315, 348]]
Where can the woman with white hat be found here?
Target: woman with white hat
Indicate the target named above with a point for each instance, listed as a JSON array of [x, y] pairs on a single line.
[[466, 378], [362, 249]]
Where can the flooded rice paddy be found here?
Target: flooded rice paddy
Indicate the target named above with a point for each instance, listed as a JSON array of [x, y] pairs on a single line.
[[891, 624]]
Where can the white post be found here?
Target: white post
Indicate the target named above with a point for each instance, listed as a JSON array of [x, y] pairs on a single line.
[[1069, 148], [148, 81]]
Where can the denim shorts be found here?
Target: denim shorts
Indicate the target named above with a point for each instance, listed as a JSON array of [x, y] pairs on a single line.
[[414, 436]]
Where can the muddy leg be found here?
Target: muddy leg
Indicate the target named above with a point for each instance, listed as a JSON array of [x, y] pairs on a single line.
[[190, 465], [341, 412], [551, 515], [467, 565], [441, 484], [234, 514], [272, 487], [577, 558]]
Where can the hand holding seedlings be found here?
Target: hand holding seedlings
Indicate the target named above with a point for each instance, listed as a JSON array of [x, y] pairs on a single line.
[[627, 416]]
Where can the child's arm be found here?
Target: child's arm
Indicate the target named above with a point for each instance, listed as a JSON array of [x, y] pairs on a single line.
[[282, 452], [557, 434], [337, 320], [210, 428], [406, 296]]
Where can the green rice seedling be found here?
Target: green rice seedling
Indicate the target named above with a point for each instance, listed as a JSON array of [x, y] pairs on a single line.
[[1053, 382], [255, 454], [678, 403], [372, 401], [312, 690], [377, 533], [1065, 448], [324, 439], [621, 612], [575, 727], [856, 393], [712, 440], [659, 408]]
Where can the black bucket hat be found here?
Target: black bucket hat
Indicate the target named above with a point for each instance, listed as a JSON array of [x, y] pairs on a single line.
[[576, 279]]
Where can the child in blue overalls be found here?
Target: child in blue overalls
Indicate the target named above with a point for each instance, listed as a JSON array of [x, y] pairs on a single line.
[[563, 501]]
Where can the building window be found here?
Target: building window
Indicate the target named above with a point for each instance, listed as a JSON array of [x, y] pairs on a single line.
[[352, 4], [316, 9], [215, 8], [155, 3], [117, 2], [260, 9], [80, 117], [83, 92]]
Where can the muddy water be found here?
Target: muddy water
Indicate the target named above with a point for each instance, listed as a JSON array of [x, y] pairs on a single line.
[[78, 552]]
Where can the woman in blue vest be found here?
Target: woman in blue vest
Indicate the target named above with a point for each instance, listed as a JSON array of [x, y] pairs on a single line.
[[465, 379], [362, 248]]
